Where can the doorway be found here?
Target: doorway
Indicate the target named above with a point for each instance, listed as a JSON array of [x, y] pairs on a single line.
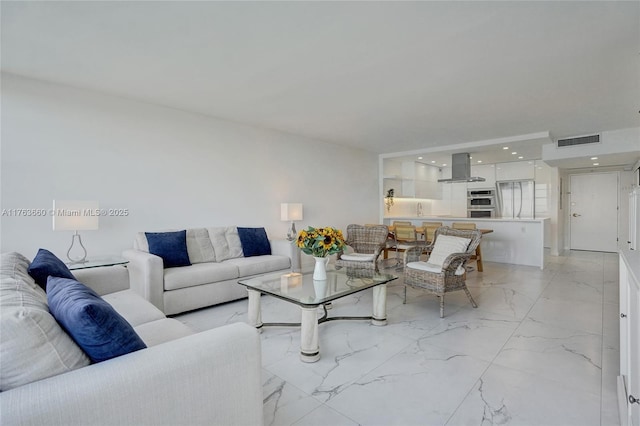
[[593, 212]]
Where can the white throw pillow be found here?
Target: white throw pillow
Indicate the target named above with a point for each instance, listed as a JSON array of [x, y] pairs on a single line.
[[32, 344], [445, 246], [226, 242], [199, 246]]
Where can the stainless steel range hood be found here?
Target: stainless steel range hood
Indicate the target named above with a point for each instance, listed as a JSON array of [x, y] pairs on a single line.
[[461, 170]]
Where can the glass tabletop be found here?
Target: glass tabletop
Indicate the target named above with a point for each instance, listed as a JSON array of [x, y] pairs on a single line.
[[302, 289], [98, 262]]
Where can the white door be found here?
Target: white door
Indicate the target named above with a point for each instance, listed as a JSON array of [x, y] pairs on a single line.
[[593, 212]]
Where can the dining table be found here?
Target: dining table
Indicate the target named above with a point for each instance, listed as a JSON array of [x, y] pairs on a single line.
[[420, 230]]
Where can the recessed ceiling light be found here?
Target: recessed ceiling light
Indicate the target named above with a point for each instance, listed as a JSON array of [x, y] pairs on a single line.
[[596, 164], [521, 157], [470, 158], [514, 153], [444, 164], [433, 161], [419, 158], [594, 158], [479, 161], [505, 147]]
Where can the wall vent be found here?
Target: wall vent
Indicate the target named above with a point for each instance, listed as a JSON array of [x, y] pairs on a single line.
[[579, 140]]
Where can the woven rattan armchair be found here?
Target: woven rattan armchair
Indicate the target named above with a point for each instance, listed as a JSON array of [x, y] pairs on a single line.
[[367, 243], [447, 276]]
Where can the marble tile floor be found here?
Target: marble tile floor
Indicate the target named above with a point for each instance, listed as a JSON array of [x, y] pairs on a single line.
[[542, 348]]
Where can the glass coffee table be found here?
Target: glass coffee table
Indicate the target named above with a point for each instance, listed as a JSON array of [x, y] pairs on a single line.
[[301, 289]]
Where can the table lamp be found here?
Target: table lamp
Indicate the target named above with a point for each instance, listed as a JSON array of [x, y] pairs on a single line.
[[75, 216], [291, 212]]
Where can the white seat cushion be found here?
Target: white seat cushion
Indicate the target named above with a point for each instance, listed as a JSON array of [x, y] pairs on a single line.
[[358, 257], [254, 265], [200, 273], [161, 331], [446, 245], [430, 267], [133, 307]]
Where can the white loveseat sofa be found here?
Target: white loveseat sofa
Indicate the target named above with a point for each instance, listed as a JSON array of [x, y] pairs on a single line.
[[217, 263], [181, 378]]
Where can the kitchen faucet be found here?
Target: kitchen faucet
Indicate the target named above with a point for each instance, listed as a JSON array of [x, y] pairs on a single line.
[[419, 209]]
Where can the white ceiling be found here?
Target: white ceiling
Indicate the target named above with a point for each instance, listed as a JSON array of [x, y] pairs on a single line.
[[382, 76]]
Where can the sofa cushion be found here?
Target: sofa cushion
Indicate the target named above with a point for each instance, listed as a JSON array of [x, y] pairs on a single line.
[[163, 330], [226, 242], [430, 267], [201, 273], [254, 241], [259, 264], [170, 246], [46, 264], [133, 307], [93, 324], [199, 246], [33, 346]]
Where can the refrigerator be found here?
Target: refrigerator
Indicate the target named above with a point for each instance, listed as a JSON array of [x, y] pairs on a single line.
[[515, 199]]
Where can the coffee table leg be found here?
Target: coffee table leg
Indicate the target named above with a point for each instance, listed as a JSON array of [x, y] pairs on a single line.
[[379, 305], [255, 316], [309, 349]]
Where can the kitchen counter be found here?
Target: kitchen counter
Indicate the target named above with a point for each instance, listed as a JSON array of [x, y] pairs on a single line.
[[515, 241], [420, 219]]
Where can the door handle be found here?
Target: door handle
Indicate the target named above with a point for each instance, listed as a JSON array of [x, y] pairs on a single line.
[[576, 215]]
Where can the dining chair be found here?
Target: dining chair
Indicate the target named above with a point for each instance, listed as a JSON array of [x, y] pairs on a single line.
[[430, 230], [367, 243], [464, 225], [469, 225], [444, 271], [402, 223], [405, 237]]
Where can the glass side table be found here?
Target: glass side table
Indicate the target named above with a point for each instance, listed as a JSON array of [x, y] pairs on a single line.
[[98, 262]]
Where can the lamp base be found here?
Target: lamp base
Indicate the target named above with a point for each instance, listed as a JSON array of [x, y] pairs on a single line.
[[81, 257], [292, 234]]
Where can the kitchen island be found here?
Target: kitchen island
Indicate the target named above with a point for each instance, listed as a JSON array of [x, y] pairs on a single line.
[[515, 241]]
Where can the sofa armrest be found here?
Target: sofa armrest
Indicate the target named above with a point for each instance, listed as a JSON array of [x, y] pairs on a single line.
[[288, 249], [146, 275], [209, 378], [104, 280]]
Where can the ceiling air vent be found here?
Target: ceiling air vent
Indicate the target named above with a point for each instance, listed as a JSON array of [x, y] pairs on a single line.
[[579, 140]]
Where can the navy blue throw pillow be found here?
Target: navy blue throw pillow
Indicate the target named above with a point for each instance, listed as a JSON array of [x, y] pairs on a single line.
[[170, 246], [46, 264], [254, 241], [91, 322]]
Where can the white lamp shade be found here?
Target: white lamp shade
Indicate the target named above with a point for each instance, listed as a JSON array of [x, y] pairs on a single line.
[[75, 215], [290, 211]]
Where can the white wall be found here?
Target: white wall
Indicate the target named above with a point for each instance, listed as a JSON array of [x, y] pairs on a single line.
[[170, 168]]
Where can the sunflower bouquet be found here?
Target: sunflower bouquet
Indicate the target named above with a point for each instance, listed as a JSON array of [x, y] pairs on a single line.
[[321, 242]]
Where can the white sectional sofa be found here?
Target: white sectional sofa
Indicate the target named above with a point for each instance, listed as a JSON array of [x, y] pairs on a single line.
[[181, 378], [217, 263]]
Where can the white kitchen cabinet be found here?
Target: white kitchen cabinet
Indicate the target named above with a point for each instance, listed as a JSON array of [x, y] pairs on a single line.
[[488, 172], [629, 379], [411, 179], [516, 170]]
